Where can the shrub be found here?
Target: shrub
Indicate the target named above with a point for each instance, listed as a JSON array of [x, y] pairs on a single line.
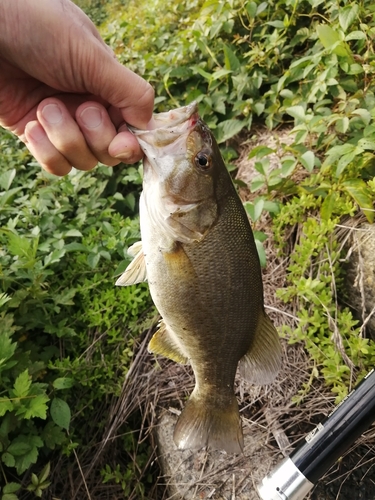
[[66, 332]]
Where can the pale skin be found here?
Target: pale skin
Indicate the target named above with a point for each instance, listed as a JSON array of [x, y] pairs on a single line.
[[63, 92]]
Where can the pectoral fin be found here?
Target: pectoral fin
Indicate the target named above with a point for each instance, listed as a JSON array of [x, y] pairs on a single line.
[[262, 362], [164, 343], [136, 270]]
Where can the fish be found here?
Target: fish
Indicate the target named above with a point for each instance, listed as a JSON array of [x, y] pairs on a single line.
[[199, 257]]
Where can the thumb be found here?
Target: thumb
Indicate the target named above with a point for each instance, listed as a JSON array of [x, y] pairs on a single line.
[[121, 88]]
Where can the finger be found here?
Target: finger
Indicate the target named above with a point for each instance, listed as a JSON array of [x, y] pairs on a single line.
[[64, 133], [125, 147], [123, 89], [41, 148], [98, 130], [138, 107]]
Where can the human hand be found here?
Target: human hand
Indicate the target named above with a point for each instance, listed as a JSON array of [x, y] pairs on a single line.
[[63, 92]]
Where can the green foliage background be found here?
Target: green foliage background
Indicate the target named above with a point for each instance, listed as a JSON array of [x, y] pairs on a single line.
[[66, 333]]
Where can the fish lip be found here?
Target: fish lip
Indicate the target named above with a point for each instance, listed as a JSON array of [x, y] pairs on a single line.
[[167, 120]]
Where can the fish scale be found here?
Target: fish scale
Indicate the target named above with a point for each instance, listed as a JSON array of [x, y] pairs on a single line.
[[199, 256]]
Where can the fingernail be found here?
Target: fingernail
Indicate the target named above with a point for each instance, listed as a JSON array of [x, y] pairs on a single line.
[[125, 155], [91, 117], [52, 113]]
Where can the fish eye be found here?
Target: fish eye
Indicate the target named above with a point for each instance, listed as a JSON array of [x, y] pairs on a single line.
[[203, 161]]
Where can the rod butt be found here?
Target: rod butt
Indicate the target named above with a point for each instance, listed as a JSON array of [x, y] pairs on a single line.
[[285, 482]]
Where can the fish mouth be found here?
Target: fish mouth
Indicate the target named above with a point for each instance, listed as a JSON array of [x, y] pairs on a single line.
[[166, 133], [170, 119]]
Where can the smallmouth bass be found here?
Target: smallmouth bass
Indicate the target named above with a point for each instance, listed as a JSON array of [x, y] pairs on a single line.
[[199, 257]]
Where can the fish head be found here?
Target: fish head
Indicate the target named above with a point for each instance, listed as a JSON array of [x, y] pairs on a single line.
[[181, 169]]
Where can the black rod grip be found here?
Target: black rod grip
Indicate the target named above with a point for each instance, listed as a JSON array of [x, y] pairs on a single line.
[[323, 446]]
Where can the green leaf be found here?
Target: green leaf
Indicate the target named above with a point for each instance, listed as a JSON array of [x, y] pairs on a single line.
[[105, 254], [4, 298], [355, 35], [93, 259], [288, 165], [258, 108], [364, 114], [346, 159], [362, 195], [7, 195], [19, 245], [107, 228], [23, 461], [272, 206], [331, 40], [37, 407], [6, 426], [260, 151], [203, 73], [261, 253], [11, 487], [327, 36], [308, 160], [8, 459], [297, 112], [45, 473], [22, 385], [231, 61], [254, 209], [9, 496], [251, 8], [257, 183], [335, 152], [73, 232], [20, 446], [53, 435], [260, 236], [54, 256], [63, 383], [276, 24], [355, 69], [366, 144], [6, 178], [7, 347], [342, 125], [76, 247], [121, 267], [347, 15], [227, 129], [328, 205], [261, 167], [60, 413], [262, 7], [217, 75], [65, 297]]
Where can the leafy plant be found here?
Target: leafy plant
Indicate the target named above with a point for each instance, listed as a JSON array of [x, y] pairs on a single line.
[[62, 241], [66, 333]]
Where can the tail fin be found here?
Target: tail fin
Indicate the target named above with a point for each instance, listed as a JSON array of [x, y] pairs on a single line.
[[215, 426]]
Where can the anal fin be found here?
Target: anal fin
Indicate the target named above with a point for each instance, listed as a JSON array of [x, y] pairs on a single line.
[[136, 270], [164, 343], [261, 364]]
